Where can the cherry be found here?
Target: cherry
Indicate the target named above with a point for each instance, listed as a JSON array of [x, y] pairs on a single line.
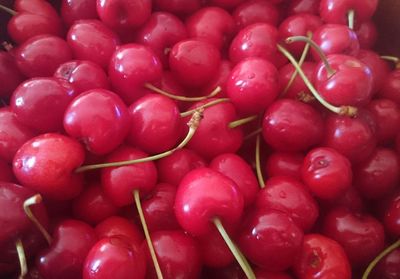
[[183, 261], [160, 33], [219, 80], [351, 199], [270, 239], [284, 164], [74, 10], [303, 6], [322, 257], [65, 257], [13, 134], [46, 164], [263, 274], [121, 15], [37, 7], [326, 172], [213, 25], [226, 4], [291, 197], [194, 62], [83, 75], [178, 6], [252, 85], [231, 271], [378, 175], [114, 257], [10, 76], [361, 235], [391, 86], [388, 267], [255, 11], [40, 103], [290, 125], [92, 205], [392, 216], [41, 55], [131, 66], [367, 34], [6, 174], [91, 40]]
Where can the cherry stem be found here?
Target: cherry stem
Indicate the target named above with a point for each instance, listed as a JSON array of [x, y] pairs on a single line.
[[385, 252], [242, 121], [316, 47], [301, 61], [193, 125], [147, 234], [8, 10], [209, 104], [252, 134], [258, 163], [182, 98], [22, 258], [244, 264], [350, 18], [36, 199], [342, 110], [393, 59]]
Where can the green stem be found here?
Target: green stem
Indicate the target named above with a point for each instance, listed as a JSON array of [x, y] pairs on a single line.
[[182, 98], [209, 104], [242, 121], [252, 134], [22, 259], [260, 177], [350, 18], [27, 204], [8, 10]]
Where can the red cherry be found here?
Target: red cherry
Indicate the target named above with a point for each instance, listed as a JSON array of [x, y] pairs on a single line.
[[351, 199], [291, 197], [388, 267], [263, 274], [10, 76], [41, 55], [178, 6], [37, 7], [40, 103], [74, 10], [392, 216], [226, 4], [65, 257], [219, 80], [391, 87], [6, 174], [46, 164], [204, 194], [284, 164], [91, 40], [255, 11], [290, 125], [367, 34], [326, 172], [252, 85], [303, 6], [322, 257], [361, 236]]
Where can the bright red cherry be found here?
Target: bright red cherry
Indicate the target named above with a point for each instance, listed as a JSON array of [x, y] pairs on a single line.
[[297, 89], [37, 7], [74, 10], [303, 6], [391, 87], [367, 34], [255, 11], [219, 80], [47, 163], [284, 164], [10, 76]]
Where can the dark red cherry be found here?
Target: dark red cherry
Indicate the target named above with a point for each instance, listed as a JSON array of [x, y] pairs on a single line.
[[326, 172], [270, 239], [361, 235], [388, 267], [10, 76], [252, 85], [263, 274], [64, 258], [109, 114], [391, 219], [114, 257], [303, 6], [255, 11], [284, 164], [391, 87], [291, 197], [91, 40], [46, 164], [83, 75], [367, 34], [290, 125], [204, 194], [351, 199], [74, 10], [41, 55], [40, 103], [6, 174], [226, 4], [178, 6], [322, 257]]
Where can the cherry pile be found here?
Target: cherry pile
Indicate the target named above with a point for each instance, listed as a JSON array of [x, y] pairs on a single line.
[[198, 139]]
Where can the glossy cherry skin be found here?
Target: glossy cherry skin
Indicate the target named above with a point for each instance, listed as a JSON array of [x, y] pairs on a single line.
[[284, 164], [10, 76], [204, 194], [46, 164], [64, 258], [361, 236], [155, 123], [183, 261], [40, 103], [120, 182], [160, 33], [339, 89], [194, 62], [392, 216], [131, 66], [237, 169], [91, 40], [124, 14], [213, 25], [40, 56], [37, 7], [255, 40], [379, 174], [113, 257], [252, 85], [178, 6], [367, 34], [290, 125], [391, 86], [173, 168], [291, 197], [303, 6], [214, 136], [270, 239], [255, 11], [13, 134], [322, 257], [326, 172], [73, 10], [104, 108], [83, 75]]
